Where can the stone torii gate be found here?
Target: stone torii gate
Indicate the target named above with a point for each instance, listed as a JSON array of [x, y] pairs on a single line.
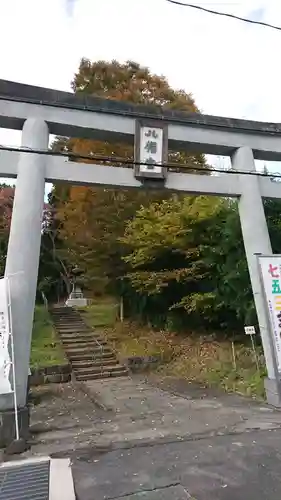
[[39, 112]]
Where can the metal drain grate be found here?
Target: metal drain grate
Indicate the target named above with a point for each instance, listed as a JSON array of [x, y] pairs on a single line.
[[25, 482]]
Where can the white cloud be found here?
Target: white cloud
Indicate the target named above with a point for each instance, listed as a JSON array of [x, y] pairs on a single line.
[[230, 67]]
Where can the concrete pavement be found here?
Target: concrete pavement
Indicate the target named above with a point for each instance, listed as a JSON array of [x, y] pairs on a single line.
[[219, 468], [134, 438]]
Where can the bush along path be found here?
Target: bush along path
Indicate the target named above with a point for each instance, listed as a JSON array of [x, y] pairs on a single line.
[[87, 351]]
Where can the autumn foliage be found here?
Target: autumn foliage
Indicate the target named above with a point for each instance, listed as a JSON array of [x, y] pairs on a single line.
[[93, 220]]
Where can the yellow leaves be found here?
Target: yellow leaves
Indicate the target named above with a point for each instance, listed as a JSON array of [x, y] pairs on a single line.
[[168, 227], [196, 302], [92, 220], [129, 82], [153, 282]]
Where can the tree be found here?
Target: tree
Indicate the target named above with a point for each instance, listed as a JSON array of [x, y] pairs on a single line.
[[167, 244], [49, 272], [54, 277], [187, 262], [93, 219], [6, 208]]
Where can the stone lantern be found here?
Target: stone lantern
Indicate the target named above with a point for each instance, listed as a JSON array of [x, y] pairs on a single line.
[[76, 297]]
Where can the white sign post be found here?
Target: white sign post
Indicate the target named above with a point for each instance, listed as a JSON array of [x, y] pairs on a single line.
[[7, 346], [250, 330], [5, 359], [270, 269]]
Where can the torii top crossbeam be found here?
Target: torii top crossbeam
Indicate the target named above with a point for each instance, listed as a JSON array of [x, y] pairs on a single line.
[[91, 117], [79, 115]]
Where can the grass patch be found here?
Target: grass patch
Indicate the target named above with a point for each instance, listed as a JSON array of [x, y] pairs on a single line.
[[127, 339], [101, 313], [211, 363], [191, 357], [46, 349]]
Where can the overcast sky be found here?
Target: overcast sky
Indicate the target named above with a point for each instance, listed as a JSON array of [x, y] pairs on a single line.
[[231, 68]]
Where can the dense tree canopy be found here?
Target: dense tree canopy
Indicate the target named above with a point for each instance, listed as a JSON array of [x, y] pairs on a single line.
[[187, 258], [92, 220]]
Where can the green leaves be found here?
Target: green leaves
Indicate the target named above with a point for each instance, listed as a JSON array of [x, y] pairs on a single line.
[[188, 255], [166, 244]]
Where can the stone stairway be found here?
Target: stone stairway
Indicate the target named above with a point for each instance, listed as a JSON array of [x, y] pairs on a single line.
[[87, 351]]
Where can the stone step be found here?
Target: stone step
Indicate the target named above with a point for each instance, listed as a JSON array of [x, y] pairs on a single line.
[[70, 324], [92, 370], [98, 354], [73, 330], [106, 374], [67, 319], [85, 335], [76, 365], [93, 349], [71, 333], [60, 316], [62, 308], [88, 356], [82, 343], [82, 340], [86, 349], [60, 313]]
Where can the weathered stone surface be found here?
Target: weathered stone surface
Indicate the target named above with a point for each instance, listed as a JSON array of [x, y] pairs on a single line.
[[166, 493], [8, 429], [78, 346], [17, 447], [50, 374], [30, 93], [178, 439], [52, 379], [138, 364], [218, 468], [136, 413]]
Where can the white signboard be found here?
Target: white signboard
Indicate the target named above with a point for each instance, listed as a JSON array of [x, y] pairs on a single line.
[[271, 279], [5, 360], [151, 149], [249, 330]]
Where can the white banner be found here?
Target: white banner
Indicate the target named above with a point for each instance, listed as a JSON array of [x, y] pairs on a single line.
[[5, 359], [271, 279]]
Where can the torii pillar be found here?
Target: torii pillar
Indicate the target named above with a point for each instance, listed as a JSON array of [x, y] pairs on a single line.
[[256, 241], [22, 269]]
